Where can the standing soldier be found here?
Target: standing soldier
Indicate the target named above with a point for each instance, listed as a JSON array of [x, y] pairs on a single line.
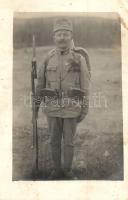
[[63, 82]]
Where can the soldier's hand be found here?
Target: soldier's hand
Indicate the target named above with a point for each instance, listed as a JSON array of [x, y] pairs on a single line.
[[84, 111], [81, 117]]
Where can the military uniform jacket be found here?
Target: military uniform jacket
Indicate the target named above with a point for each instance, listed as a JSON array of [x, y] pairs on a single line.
[[62, 71]]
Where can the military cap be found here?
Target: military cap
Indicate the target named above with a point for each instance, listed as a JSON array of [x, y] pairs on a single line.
[[62, 24]]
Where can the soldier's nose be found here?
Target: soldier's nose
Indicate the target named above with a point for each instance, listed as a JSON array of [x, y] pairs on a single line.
[[61, 37]]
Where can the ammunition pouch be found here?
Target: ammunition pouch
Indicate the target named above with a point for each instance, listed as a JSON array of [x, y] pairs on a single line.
[[71, 93], [75, 92], [48, 92]]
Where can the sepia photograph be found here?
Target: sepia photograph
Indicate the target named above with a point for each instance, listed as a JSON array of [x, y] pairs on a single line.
[[67, 97]]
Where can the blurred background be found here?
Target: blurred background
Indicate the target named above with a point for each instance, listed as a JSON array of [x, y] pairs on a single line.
[[89, 30], [98, 152]]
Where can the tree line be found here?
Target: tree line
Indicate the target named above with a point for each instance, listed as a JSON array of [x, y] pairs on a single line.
[[87, 31]]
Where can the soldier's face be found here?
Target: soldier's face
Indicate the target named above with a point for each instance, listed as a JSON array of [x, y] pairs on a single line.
[[62, 38]]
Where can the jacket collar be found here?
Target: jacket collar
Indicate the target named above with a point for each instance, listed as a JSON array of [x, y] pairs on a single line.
[[63, 52]]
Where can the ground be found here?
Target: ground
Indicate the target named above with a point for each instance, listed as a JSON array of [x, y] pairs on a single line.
[[98, 153]]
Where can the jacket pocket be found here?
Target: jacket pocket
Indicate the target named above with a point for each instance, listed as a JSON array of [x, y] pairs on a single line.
[[51, 73], [51, 68]]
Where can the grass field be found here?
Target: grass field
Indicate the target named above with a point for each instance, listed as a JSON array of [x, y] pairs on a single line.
[[98, 153]]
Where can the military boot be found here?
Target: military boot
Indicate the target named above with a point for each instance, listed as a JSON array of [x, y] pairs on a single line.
[[55, 175], [69, 175]]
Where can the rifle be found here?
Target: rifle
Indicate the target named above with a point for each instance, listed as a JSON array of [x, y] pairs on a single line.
[[34, 119]]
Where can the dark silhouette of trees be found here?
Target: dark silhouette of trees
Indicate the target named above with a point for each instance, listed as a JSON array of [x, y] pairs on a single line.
[[88, 31]]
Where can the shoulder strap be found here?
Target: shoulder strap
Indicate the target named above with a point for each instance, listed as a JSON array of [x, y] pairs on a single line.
[[49, 55], [47, 58], [84, 53]]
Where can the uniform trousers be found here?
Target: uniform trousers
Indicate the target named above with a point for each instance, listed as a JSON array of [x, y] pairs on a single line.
[[58, 128]]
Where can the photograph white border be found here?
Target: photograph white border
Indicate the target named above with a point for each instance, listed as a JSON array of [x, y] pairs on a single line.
[[55, 190]]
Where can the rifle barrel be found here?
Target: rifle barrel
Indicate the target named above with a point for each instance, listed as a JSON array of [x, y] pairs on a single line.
[[34, 48]]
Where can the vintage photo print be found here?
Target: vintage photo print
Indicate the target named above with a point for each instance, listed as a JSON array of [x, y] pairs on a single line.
[[67, 96]]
